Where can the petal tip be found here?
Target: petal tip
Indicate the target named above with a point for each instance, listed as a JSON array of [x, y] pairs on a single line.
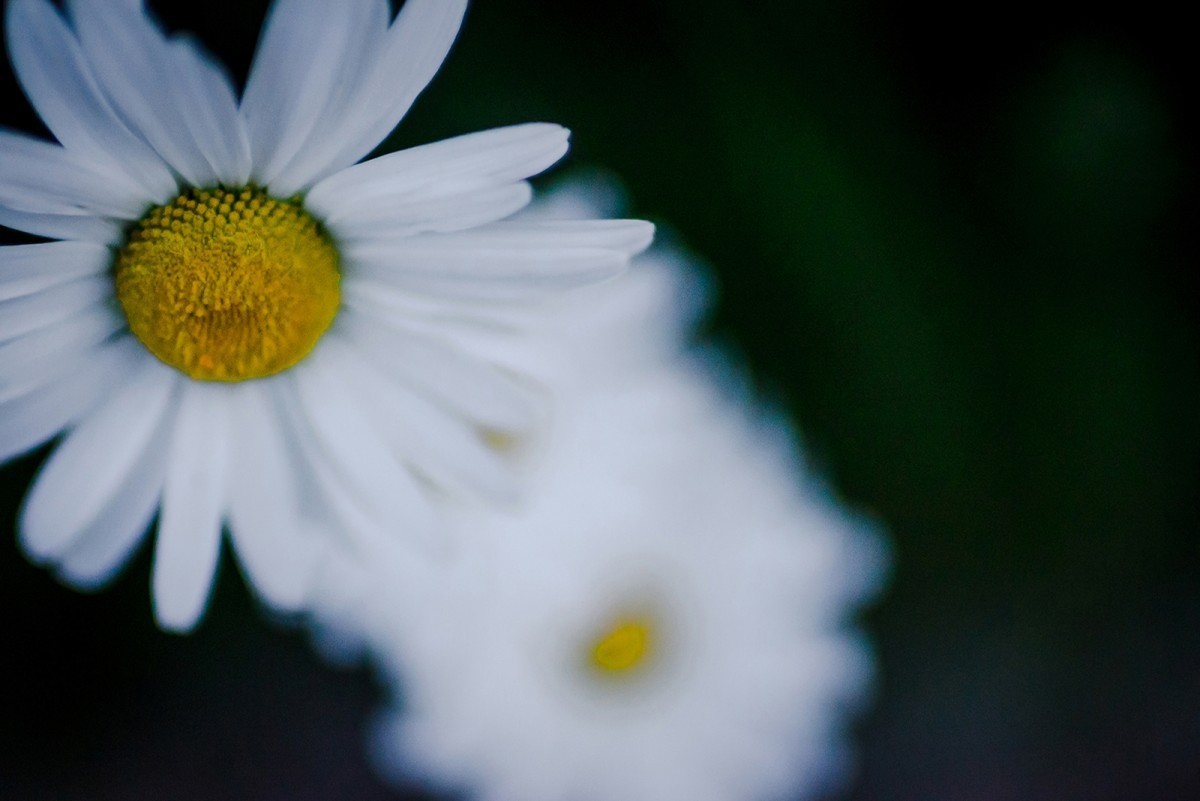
[[641, 235], [177, 620]]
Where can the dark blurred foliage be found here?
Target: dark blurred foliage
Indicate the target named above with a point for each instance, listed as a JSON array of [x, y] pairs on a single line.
[[957, 242]]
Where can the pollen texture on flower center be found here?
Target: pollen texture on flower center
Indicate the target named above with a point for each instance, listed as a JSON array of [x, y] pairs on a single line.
[[228, 285], [622, 648]]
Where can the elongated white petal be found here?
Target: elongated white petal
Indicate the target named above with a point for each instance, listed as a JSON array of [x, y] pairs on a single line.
[[189, 526], [55, 76], [329, 400], [306, 61], [25, 358], [30, 419], [30, 312], [443, 373], [28, 353], [628, 237], [498, 156], [398, 216], [508, 256], [130, 60], [36, 376], [82, 228], [444, 448], [344, 521], [205, 98], [264, 501], [92, 463], [46, 178], [25, 269], [409, 55], [105, 545], [355, 67], [470, 273], [429, 315], [503, 260]]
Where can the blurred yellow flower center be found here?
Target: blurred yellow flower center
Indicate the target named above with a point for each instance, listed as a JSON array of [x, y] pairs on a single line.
[[497, 440], [624, 647], [228, 285]]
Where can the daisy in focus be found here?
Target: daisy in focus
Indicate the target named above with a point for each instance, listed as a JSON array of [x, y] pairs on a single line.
[[668, 615], [236, 323]]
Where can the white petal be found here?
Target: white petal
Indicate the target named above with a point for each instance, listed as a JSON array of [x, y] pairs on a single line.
[[189, 526], [88, 469], [332, 405], [105, 545], [411, 52], [493, 262], [30, 419], [498, 156], [46, 178], [25, 269], [399, 216], [446, 374], [348, 524], [264, 522], [29, 354], [628, 237], [429, 315], [30, 312], [55, 76], [63, 226], [307, 60], [129, 57], [206, 99], [445, 449], [36, 376]]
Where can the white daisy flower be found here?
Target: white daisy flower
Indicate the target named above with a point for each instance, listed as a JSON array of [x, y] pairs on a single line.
[[664, 617], [236, 323]]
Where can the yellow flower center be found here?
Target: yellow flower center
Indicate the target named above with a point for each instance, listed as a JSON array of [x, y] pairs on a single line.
[[624, 647], [228, 285]]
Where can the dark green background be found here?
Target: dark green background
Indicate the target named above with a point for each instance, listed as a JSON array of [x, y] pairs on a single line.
[[957, 242]]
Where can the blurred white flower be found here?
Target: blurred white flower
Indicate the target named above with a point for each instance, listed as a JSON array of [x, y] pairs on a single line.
[[667, 615], [238, 326]]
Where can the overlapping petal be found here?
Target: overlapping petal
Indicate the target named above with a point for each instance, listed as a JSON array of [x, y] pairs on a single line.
[[287, 97], [93, 462], [448, 375], [389, 69], [24, 359], [28, 313], [486, 158], [62, 86], [26, 269], [106, 544], [71, 227], [167, 93], [502, 260], [32, 414], [45, 178], [384, 487]]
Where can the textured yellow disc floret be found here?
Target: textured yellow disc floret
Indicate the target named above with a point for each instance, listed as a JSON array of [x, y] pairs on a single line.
[[227, 285], [624, 647]]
